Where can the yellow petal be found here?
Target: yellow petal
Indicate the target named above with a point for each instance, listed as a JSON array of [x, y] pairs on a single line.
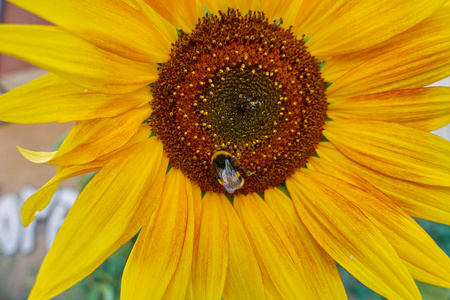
[[73, 59], [198, 210], [349, 236], [414, 59], [312, 14], [53, 99], [210, 259], [91, 139], [180, 280], [110, 25], [246, 5], [423, 108], [244, 279], [275, 10], [323, 276], [41, 198], [167, 30], [361, 24], [213, 6], [36, 157], [418, 200], [424, 259], [275, 253], [142, 135], [423, 34], [180, 13], [109, 211], [190, 291], [289, 16], [392, 149], [200, 9], [163, 250]]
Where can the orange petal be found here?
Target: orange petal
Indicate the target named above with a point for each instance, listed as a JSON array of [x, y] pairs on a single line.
[[323, 276], [361, 24], [244, 279], [423, 108], [53, 99], [275, 253], [424, 259], [76, 60], [180, 13], [348, 235], [418, 200], [392, 149], [110, 25], [109, 211], [210, 260]]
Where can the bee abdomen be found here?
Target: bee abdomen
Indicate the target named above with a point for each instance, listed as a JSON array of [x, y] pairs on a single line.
[[234, 185]]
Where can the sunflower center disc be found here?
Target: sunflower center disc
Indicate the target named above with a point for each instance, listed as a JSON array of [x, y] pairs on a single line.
[[240, 84], [241, 106]]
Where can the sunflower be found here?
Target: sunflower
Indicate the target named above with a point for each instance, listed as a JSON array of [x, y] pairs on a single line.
[[252, 144]]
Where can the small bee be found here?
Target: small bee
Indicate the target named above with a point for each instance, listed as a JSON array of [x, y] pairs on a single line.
[[224, 166]]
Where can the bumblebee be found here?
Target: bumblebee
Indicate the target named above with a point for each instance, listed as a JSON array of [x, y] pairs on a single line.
[[225, 167]]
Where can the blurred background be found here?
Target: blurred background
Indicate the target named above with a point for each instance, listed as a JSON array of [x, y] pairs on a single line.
[[22, 250]]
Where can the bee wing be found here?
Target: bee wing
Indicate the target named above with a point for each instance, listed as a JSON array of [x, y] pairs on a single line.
[[232, 180], [228, 173]]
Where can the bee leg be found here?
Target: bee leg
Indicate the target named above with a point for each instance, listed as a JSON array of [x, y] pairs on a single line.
[[244, 171], [233, 162]]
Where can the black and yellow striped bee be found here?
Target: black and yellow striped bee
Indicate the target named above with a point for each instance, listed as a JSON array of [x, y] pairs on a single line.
[[224, 166]]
